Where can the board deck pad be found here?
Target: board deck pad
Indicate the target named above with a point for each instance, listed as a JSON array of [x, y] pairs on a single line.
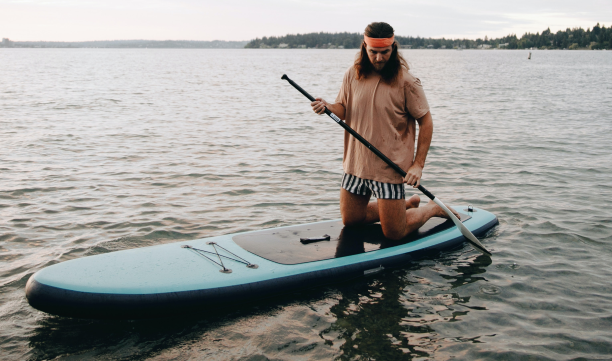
[[284, 246]]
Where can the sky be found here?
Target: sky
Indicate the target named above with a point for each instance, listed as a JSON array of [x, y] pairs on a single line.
[[79, 20]]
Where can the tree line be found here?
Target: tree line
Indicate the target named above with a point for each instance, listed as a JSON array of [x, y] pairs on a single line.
[[599, 37]]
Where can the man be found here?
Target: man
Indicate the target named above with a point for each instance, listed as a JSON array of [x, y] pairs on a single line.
[[381, 100]]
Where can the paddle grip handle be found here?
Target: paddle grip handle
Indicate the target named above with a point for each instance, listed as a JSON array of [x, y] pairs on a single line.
[[299, 88], [358, 137], [306, 94]]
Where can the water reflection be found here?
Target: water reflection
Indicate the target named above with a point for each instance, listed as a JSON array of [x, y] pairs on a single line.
[[388, 318], [57, 336]]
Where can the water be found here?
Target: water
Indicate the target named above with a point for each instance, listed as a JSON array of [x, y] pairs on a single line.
[[108, 149]]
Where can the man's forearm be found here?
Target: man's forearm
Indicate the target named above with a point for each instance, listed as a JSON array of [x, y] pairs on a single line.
[[337, 109], [424, 140]]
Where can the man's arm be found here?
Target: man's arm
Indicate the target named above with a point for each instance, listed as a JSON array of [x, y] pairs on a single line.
[[413, 176], [318, 106]]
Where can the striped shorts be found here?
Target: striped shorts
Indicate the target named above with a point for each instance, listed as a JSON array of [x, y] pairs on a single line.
[[366, 187]]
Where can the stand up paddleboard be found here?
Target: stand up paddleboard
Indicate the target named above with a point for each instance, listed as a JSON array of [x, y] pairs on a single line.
[[193, 275]]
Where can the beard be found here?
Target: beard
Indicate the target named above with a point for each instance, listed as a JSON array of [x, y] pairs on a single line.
[[379, 65]]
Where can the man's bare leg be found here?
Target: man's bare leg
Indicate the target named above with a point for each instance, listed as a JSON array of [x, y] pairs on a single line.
[[397, 222], [398, 217], [356, 209]]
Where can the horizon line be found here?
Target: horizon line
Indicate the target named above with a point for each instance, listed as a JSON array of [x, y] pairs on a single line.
[[85, 41]]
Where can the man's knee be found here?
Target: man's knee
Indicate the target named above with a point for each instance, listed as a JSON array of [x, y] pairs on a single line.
[[352, 219], [393, 218], [393, 232]]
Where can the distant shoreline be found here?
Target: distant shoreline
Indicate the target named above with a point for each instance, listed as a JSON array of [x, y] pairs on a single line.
[[127, 44], [597, 38]]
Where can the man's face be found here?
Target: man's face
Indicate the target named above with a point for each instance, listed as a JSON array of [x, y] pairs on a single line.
[[379, 56]]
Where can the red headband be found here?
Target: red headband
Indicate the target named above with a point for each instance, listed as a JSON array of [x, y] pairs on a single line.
[[379, 42]]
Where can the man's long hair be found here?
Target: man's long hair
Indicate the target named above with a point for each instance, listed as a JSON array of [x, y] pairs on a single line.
[[391, 71]]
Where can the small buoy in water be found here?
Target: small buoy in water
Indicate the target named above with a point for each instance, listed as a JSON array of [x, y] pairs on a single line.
[[529, 57]]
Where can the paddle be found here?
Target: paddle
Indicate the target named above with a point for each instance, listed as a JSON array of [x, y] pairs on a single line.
[[466, 232]]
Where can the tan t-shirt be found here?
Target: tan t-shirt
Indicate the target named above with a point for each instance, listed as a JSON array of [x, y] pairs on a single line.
[[385, 116]]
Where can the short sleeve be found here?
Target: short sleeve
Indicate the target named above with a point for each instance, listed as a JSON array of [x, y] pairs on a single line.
[[416, 102], [345, 89]]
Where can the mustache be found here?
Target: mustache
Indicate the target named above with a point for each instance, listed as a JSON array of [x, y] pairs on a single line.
[[385, 64]]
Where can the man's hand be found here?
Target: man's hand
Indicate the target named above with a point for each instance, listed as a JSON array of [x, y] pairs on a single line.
[[319, 105], [413, 176]]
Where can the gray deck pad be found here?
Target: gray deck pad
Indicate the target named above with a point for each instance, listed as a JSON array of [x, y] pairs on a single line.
[[284, 246]]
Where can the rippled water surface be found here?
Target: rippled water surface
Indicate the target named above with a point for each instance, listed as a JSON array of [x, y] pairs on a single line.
[[104, 150]]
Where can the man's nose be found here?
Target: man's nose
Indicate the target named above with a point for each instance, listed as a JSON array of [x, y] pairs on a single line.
[[378, 57]]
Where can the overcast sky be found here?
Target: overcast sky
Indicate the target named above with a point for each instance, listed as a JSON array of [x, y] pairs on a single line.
[[74, 20]]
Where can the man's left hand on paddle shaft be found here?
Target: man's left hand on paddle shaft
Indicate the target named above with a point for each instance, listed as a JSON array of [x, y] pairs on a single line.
[[413, 175]]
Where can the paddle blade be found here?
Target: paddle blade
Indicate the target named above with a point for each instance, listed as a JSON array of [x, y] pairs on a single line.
[[466, 232], [473, 240]]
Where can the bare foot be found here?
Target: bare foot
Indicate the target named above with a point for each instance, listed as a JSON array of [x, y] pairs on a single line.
[[440, 212], [413, 202]]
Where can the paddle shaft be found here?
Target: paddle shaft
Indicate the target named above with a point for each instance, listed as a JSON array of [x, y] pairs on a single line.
[[466, 232], [358, 137]]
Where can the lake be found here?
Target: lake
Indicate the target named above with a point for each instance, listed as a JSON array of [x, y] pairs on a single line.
[[110, 149]]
